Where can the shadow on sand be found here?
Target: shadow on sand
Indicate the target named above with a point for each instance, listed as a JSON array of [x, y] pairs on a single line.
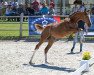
[[73, 53], [54, 67]]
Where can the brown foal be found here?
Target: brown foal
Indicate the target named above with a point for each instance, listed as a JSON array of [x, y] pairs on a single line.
[[60, 30]]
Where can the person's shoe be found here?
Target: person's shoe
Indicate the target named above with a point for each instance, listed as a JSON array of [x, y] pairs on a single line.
[[72, 50], [80, 50]]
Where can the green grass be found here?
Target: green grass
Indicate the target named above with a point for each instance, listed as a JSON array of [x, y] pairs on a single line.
[[13, 29]]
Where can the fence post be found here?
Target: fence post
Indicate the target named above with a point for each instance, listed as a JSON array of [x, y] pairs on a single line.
[[21, 22]]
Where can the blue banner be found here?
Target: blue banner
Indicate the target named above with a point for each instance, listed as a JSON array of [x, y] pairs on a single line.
[[47, 20], [39, 20]]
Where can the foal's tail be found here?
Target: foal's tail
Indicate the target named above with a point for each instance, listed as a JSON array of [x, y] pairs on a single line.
[[39, 27]]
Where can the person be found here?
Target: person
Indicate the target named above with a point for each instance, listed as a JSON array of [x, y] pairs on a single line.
[[52, 3], [1, 9], [44, 10], [51, 10], [35, 5], [30, 10], [19, 11], [8, 11], [82, 27]]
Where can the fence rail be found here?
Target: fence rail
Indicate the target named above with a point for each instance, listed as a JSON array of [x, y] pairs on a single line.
[[21, 22]]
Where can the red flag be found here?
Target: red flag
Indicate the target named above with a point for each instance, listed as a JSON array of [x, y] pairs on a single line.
[[57, 18]]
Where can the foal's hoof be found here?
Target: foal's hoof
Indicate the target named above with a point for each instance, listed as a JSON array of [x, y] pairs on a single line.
[[31, 63], [80, 50]]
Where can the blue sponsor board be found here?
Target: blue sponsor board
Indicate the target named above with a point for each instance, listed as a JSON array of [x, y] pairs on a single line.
[[38, 20], [47, 20], [92, 24]]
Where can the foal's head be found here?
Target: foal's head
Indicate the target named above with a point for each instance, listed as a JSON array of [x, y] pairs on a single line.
[[75, 17]]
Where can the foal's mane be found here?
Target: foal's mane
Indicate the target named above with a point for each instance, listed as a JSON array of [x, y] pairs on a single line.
[[75, 14]]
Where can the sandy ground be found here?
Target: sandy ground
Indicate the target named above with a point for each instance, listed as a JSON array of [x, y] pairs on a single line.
[[15, 57]]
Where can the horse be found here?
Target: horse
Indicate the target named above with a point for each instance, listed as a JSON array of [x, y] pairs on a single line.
[[59, 30]]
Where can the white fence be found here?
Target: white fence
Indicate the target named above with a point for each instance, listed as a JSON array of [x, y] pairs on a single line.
[[83, 67]]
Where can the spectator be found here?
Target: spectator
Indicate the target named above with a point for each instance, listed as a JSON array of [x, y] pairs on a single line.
[[26, 13], [52, 3], [14, 4], [6, 3], [30, 10], [20, 9], [51, 10], [44, 10], [1, 9], [14, 11], [8, 10], [35, 5]]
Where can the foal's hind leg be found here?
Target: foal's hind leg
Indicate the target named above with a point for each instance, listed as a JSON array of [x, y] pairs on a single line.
[[50, 43], [44, 36]]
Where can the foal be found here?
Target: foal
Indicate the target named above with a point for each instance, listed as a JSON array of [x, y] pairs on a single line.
[[60, 30]]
